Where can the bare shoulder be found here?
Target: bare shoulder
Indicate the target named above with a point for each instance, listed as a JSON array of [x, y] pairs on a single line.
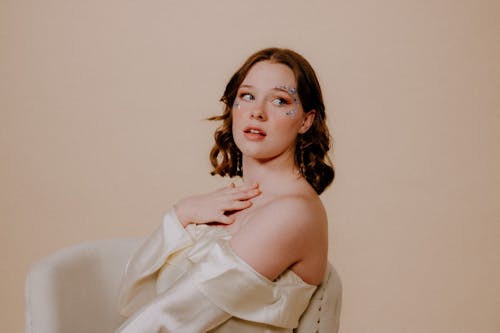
[[300, 210], [289, 215], [290, 231]]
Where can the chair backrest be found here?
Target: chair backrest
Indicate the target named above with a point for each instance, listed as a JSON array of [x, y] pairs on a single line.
[[76, 290], [323, 312]]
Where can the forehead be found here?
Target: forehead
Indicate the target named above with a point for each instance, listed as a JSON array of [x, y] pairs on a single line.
[[269, 75]]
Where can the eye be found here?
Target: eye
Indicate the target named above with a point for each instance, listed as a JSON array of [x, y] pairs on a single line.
[[247, 97], [279, 101]]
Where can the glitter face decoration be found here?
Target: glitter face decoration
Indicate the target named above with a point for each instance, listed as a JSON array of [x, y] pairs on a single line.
[[275, 101], [293, 92]]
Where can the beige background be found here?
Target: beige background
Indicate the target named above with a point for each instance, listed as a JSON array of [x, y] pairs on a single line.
[[101, 130]]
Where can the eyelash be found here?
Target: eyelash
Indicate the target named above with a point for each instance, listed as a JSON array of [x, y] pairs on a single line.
[[281, 100], [249, 97], [243, 97]]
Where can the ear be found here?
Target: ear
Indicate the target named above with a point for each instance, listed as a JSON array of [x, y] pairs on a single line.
[[307, 121]]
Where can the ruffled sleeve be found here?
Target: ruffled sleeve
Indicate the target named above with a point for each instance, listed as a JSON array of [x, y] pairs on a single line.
[[190, 280], [180, 309], [235, 287], [139, 280]]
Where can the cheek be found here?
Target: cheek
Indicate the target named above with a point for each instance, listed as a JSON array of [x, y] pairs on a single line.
[[235, 121], [236, 117], [286, 123], [236, 126]]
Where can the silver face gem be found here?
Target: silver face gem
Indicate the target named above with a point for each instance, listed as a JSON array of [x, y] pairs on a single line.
[[293, 92]]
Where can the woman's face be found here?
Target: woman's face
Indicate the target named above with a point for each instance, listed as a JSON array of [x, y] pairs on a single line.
[[267, 113]]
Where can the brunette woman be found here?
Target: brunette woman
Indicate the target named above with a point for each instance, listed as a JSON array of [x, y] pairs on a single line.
[[244, 258]]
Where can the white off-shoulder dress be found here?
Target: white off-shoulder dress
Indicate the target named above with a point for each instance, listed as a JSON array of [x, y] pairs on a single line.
[[188, 280]]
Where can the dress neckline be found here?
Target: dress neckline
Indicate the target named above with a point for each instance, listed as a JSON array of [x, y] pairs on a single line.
[[227, 237]]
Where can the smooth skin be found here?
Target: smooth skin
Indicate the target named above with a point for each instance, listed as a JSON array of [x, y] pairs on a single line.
[[276, 219]]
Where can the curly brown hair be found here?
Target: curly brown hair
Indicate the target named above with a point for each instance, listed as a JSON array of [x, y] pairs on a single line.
[[311, 148]]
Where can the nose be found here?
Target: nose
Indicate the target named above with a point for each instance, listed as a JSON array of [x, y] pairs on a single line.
[[258, 112]]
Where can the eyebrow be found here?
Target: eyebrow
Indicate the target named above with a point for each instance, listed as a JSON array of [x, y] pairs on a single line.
[[285, 89], [277, 88]]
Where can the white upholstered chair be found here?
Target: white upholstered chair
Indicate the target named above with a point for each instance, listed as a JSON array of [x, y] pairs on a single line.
[[76, 290]]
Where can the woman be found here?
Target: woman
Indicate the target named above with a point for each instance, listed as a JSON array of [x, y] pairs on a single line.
[[244, 258]]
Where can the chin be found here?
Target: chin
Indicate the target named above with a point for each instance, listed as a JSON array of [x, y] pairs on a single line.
[[253, 152], [260, 150], [258, 153]]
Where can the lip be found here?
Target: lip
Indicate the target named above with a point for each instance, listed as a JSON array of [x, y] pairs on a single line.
[[254, 136]]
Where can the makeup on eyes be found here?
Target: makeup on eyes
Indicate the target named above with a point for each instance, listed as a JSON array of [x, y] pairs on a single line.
[[293, 92], [278, 100]]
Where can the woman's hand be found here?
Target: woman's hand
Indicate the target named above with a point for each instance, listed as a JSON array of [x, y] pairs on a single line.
[[214, 206]]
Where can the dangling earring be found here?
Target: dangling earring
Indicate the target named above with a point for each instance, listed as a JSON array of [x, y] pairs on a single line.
[[239, 169], [301, 146]]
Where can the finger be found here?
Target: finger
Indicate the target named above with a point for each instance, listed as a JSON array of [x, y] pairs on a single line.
[[234, 205], [229, 189], [245, 195], [238, 205], [241, 188], [247, 186], [225, 219], [225, 188]]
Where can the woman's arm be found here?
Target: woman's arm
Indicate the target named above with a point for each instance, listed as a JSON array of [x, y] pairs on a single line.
[[171, 239], [289, 233]]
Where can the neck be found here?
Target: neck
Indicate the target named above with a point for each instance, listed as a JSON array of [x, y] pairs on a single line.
[[269, 174]]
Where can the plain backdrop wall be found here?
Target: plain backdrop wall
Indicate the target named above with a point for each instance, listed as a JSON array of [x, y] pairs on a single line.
[[101, 130]]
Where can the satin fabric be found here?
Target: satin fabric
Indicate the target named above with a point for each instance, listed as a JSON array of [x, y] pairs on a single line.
[[189, 280]]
